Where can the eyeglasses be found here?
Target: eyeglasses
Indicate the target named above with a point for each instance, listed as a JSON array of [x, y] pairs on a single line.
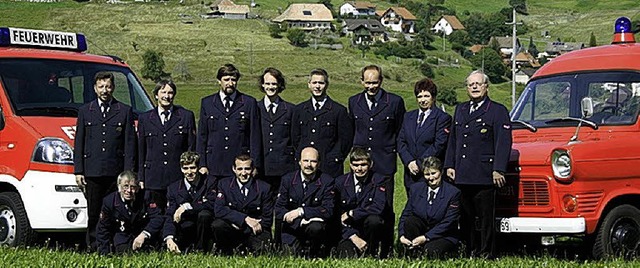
[[474, 84]]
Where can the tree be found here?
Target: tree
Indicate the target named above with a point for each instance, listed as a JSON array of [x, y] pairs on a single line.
[[297, 37], [533, 50], [493, 65], [426, 70], [447, 96], [461, 37], [424, 39], [592, 40], [519, 5], [275, 31], [364, 47], [153, 66]]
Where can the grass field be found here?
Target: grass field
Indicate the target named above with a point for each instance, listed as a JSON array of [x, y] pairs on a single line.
[[53, 258]]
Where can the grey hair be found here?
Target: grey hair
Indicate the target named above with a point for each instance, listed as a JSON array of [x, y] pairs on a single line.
[[484, 76], [127, 175]]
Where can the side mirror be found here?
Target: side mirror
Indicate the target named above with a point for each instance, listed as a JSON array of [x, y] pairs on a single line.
[[587, 107]]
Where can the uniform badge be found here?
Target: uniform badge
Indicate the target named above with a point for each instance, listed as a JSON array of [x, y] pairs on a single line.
[[506, 126], [484, 130], [121, 226], [119, 129], [446, 130], [382, 189], [219, 196]]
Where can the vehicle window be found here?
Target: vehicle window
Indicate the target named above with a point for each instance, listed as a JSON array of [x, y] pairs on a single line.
[[58, 88], [613, 102]]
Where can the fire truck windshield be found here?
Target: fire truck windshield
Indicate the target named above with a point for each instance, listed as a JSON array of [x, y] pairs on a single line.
[[44, 87], [546, 101]]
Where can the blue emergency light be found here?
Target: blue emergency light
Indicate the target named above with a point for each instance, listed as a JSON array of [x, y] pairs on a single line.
[[623, 32], [41, 38]]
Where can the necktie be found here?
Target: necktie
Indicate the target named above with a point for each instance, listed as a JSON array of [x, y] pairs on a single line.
[[421, 118], [474, 107], [358, 188], [304, 187], [432, 196], [372, 99], [272, 109], [244, 190], [165, 117], [317, 106], [105, 109], [227, 103]]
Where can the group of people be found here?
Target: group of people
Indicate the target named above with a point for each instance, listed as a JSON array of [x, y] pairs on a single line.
[[252, 168]]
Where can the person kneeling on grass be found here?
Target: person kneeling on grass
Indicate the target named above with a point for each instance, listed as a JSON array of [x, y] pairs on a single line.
[[244, 210], [429, 221], [126, 223]]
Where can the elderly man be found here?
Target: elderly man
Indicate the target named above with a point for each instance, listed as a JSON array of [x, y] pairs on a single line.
[[476, 160], [305, 205], [244, 210], [126, 223]]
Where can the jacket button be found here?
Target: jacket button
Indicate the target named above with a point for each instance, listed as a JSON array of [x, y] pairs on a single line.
[[104, 125], [312, 143], [464, 156], [165, 162], [164, 144], [270, 125], [226, 128], [226, 147], [270, 141], [370, 128], [313, 131], [165, 153], [464, 146], [315, 119], [270, 133], [104, 149], [226, 138], [164, 135]]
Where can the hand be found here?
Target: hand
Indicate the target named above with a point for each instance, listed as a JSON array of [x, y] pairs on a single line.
[[141, 183], [359, 242], [254, 224], [81, 182], [172, 246], [344, 217], [405, 241], [178, 214], [451, 173], [413, 167], [137, 243], [290, 216], [419, 241], [498, 179], [203, 170]]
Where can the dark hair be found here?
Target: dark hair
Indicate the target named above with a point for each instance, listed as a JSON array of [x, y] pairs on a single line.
[[431, 162], [189, 157], [228, 70], [321, 72], [426, 84], [372, 67], [164, 82], [103, 76], [242, 157], [275, 73], [359, 154]]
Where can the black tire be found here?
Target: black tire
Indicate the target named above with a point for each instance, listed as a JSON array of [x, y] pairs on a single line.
[[619, 233], [14, 225]]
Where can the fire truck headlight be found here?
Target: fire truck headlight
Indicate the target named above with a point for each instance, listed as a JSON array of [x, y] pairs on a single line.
[[53, 150], [561, 165]]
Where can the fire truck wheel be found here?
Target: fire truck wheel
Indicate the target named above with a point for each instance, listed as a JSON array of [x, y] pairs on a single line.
[[619, 233], [14, 225]]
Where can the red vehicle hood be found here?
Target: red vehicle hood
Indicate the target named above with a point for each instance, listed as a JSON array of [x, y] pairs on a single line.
[[60, 127]]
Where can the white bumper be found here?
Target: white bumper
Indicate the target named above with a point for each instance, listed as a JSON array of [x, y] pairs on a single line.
[[543, 225], [47, 208]]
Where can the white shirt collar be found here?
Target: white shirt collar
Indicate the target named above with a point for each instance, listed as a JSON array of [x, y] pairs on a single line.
[[268, 102], [321, 102], [224, 95]]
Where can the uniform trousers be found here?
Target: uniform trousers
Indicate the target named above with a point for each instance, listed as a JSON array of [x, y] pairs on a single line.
[[437, 248], [194, 230], [477, 221], [229, 238], [389, 218], [371, 230], [310, 239], [95, 190]]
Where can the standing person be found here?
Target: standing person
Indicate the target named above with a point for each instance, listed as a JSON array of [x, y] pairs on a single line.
[[164, 134], [377, 116], [244, 211], [104, 146], [323, 124], [429, 221], [190, 209], [424, 132], [276, 117], [229, 125], [126, 223], [361, 196], [305, 205], [476, 160]]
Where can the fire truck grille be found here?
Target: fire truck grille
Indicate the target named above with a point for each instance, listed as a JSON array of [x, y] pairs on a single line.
[[534, 193], [587, 202]]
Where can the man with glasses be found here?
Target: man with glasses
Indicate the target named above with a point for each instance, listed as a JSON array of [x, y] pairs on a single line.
[[476, 160]]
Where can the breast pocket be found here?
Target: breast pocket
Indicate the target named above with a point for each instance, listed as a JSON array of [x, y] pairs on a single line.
[[116, 129], [484, 130], [328, 130], [213, 122]]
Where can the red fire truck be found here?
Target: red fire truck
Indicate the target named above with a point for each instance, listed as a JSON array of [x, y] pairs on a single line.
[[575, 164], [44, 77]]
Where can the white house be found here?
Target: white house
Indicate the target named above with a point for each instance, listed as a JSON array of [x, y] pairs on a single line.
[[306, 16], [357, 8], [447, 24], [398, 19]]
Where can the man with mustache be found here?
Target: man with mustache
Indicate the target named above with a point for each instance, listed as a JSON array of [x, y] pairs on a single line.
[[164, 133], [304, 205], [104, 146], [229, 125]]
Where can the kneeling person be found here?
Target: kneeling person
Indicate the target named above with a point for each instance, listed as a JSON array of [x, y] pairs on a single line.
[[429, 221], [126, 223], [361, 201], [244, 210], [189, 208], [305, 205]]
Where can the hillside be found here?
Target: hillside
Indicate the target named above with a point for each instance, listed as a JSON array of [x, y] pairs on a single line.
[[127, 30]]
